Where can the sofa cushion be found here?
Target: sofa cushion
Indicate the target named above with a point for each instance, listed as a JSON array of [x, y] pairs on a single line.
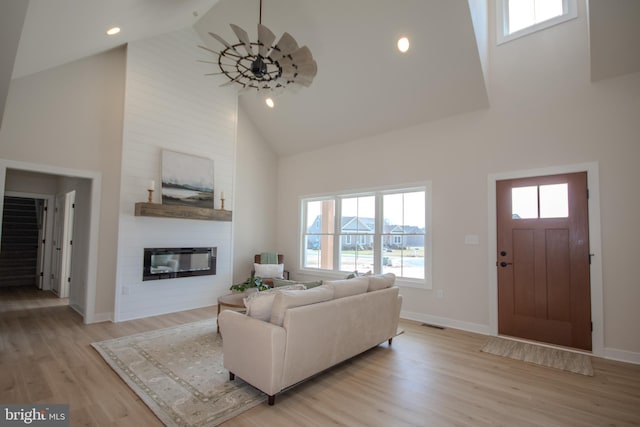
[[347, 287], [284, 282], [285, 300], [259, 304], [381, 281], [269, 271]]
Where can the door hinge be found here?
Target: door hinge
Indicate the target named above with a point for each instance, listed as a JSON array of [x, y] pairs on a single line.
[[591, 326], [46, 209], [42, 274], [587, 194], [68, 279], [73, 205], [591, 255]]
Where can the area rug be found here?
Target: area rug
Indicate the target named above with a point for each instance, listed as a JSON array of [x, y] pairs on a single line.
[[178, 373], [540, 355]]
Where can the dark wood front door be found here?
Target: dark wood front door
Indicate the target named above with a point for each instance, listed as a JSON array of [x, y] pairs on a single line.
[[543, 259]]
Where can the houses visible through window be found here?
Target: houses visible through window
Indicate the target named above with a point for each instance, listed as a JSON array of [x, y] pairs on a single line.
[[378, 231], [517, 18]]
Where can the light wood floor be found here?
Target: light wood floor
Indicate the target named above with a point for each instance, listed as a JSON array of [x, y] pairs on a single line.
[[429, 377]]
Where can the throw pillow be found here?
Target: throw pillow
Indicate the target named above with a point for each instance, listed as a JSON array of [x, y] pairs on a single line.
[[269, 271], [347, 287], [259, 304], [355, 274], [283, 282], [285, 300], [381, 281]]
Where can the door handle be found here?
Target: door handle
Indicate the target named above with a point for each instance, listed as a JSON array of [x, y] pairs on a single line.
[[504, 264]]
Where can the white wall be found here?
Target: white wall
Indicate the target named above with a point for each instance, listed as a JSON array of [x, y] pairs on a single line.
[[69, 119], [170, 104], [544, 113], [255, 199]]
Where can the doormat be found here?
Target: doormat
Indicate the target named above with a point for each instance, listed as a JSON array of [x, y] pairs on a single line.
[[178, 374], [540, 355]]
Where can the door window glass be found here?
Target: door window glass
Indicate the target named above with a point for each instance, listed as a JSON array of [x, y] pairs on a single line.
[[544, 201], [554, 201], [524, 202]]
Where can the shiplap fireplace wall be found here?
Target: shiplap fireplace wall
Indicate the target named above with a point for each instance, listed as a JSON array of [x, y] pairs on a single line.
[[171, 105]]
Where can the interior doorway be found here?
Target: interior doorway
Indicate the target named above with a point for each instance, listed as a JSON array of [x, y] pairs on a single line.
[[543, 259]]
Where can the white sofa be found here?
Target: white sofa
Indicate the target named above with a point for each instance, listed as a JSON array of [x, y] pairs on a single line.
[[309, 331]]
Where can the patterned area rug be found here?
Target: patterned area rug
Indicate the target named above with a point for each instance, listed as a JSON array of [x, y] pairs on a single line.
[[540, 355], [178, 373]]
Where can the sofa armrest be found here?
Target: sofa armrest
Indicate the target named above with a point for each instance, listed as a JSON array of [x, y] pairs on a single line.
[[253, 350]]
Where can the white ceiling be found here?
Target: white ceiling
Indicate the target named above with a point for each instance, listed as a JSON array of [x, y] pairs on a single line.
[[364, 85]]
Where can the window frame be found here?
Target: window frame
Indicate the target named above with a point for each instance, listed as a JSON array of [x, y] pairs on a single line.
[[379, 193], [570, 11]]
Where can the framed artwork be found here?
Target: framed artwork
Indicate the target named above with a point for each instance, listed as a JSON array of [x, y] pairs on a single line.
[[187, 180]]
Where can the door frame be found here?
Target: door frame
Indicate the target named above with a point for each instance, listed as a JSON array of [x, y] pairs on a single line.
[[90, 282], [595, 244]]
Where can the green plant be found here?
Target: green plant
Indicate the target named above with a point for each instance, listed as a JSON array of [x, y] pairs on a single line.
[[251, 282]]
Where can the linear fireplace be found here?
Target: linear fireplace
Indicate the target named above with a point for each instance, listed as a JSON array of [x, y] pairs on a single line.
[[170, 263]]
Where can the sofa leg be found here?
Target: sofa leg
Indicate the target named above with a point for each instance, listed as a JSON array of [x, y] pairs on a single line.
[[390, 339], [232, 376], [272, 399]]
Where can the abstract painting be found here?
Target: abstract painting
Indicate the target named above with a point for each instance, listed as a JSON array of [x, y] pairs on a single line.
[[187, 180]]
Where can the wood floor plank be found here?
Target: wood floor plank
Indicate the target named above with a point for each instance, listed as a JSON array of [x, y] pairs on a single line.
[[427, 377]]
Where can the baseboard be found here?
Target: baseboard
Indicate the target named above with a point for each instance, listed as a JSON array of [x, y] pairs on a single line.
[[622, 355], [446, 322]]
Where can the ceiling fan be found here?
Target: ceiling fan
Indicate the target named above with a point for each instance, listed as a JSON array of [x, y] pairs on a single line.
[[261, 65]]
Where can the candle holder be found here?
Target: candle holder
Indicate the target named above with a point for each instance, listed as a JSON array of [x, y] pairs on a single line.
[[150, 200], [221, 204]]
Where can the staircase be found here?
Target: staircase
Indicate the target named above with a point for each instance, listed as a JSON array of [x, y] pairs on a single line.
[[19, 247]]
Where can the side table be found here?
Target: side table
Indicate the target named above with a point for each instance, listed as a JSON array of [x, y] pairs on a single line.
[[233, 301]]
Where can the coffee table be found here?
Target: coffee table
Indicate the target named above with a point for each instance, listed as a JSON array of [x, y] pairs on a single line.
[[231, 301]]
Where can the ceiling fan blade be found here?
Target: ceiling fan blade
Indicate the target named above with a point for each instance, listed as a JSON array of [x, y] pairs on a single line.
[[308, 70], [265, 40], [285, 46], [301, 56], [243, 37], [221, 40]]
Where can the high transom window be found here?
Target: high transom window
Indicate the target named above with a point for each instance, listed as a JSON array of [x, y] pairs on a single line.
[[517, 18], [378, 231]]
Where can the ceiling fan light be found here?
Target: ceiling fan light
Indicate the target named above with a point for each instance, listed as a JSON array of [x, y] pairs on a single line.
[[269, 102], [403, 44]]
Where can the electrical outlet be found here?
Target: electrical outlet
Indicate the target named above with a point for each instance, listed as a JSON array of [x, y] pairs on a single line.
[[440, 294]]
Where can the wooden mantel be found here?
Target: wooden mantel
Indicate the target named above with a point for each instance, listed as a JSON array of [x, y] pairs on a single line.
[[184, 212]]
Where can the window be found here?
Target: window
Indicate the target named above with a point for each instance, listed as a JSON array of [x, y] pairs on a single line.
[[379, 231], [544, 201], [517, 18]]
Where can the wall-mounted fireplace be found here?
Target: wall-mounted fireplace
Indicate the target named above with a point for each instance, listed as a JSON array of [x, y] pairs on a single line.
[[170, 263]]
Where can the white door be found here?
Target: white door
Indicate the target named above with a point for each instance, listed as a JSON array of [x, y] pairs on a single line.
[[67, 244], [56, 258]]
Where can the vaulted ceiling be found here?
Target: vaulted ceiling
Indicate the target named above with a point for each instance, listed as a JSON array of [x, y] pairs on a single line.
[[364, 85]]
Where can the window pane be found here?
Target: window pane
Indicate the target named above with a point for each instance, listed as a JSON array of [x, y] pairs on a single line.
[[554, 201], [318, 252], [524, 202], [358, 215], [318, 241], [547, 9], [526, 13], [356, 253], [521, 14], [405, 260]]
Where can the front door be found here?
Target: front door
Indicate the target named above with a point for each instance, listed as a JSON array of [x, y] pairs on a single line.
[[543, 259]]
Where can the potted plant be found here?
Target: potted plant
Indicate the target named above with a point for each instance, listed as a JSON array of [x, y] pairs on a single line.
[[251, 283]]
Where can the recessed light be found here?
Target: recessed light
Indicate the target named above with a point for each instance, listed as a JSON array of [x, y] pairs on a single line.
[[113, 31], [403, 44], [269, 102]]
